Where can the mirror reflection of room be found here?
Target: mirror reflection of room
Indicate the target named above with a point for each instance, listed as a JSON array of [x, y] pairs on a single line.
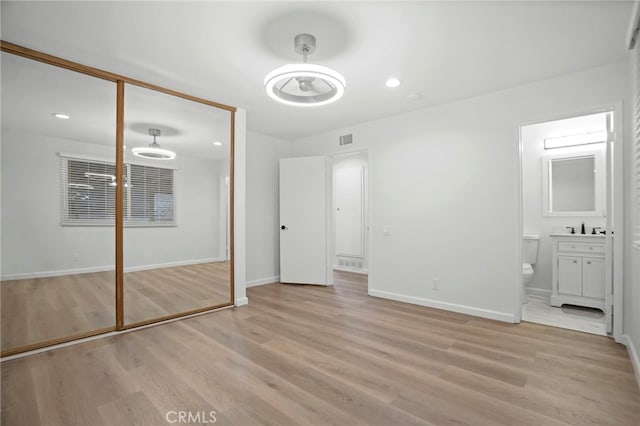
[[176, 206], [58, 203], [59, 182], [564, 193]]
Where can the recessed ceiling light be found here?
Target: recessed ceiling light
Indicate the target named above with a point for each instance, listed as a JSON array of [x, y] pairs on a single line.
[[415, 96], [61, 116], [392, 82], [216, 143]]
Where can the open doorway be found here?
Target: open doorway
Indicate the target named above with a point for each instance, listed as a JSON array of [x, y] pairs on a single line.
[[349, 219], [567, 168]]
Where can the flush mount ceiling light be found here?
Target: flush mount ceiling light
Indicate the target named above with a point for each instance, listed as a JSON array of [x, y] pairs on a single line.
[[392, 82], [575, 140], [304, 84], [61, 115], [153, 151], [217, 143]]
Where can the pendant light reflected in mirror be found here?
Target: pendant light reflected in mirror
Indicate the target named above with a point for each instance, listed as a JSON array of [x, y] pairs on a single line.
[[153, 151]]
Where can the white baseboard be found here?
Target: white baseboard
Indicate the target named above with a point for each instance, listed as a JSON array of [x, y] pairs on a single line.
[[345, 269], [463, 309], [44, 274], [538, 291], [633, 354], [263, 281], [58, 273], [241, 301], [172, 264]]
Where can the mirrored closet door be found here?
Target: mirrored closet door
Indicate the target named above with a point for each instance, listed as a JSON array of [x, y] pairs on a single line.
[[58, 203], [117, 202], [176, 206]]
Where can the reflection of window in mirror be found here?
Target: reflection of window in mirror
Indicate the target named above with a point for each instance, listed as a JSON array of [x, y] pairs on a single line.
[[573, 184], [88, 193]]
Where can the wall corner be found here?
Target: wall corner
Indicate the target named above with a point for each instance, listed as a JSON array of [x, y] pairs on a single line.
[[239, 208]]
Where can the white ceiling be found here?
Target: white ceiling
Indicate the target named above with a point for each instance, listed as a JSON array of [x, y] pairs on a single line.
[[222, 50]]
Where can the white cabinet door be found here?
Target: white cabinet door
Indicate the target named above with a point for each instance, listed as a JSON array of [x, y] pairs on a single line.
[[569, 271], [593, 277]]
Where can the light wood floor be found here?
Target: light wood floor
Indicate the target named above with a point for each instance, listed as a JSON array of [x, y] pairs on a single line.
[[40, 309], [306, 355]]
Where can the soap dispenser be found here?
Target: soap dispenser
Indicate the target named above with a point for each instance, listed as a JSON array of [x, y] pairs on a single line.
[[582, 230]]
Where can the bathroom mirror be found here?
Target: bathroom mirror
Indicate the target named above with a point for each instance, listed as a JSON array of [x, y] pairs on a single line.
[[573, 184]]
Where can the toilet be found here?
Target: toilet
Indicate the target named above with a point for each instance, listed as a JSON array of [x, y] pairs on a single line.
[[530, 245]]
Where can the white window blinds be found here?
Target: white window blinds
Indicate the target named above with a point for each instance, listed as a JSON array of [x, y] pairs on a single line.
[[88, 194], [150, 198]]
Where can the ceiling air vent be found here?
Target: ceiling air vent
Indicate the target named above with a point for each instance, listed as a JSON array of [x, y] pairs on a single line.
[[346, 139]]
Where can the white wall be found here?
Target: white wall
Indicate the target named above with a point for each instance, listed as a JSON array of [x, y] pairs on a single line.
[[533, 220], [239, 208], [34, 242], [263, 219], [631, 325], [446, 180]]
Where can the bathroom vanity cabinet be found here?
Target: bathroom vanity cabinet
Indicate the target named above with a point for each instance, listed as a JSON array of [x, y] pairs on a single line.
[[578, 270]]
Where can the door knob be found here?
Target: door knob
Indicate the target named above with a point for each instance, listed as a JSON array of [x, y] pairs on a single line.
[[283, 227]]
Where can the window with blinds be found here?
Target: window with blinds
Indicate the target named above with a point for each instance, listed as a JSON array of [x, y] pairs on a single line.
[[150, 195], [89, 194]]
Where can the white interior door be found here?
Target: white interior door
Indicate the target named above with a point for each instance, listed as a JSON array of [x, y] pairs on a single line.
[[348, 203], [608, 283], [303, 220]]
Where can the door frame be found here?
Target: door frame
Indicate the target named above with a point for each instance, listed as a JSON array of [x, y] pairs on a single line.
[[617, 204], [367, 217]]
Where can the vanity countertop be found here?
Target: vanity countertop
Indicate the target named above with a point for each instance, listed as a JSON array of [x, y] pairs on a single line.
[[563, 234]]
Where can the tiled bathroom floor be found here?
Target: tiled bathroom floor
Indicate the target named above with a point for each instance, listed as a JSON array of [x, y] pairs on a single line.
[[540, 311]]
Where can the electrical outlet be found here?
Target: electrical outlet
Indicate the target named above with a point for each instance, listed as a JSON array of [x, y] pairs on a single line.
[[436, 284], [386, 230]]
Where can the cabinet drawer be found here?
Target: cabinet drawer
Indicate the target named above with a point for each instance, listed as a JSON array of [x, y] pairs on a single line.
[[581, 247]]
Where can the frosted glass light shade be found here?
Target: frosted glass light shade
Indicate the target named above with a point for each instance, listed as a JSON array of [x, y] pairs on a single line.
[[328, 85]]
